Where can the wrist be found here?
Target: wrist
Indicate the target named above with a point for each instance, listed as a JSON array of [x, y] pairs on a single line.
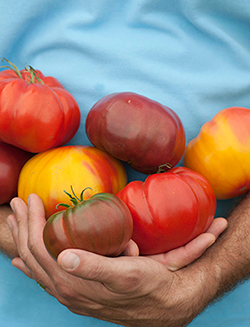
[[192, 289], [198, 287], [225, 263]]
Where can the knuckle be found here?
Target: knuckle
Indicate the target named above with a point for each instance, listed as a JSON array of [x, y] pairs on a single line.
[[88, 310], [132, 279], [62, 300], [23, 253], [31, 247], [66, 292], [93, 270]]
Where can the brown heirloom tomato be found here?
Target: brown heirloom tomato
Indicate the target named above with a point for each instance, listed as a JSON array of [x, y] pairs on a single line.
[[37, 113], [221, 152], [138, 130], [51, 172], [169, 209], [12, 160], [102, 224]]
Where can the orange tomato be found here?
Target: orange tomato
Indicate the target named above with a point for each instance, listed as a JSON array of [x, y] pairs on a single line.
[[221, 152], [50, 173]]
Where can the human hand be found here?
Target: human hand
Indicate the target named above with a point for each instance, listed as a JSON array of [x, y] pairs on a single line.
[[112, 289], [173, 260]]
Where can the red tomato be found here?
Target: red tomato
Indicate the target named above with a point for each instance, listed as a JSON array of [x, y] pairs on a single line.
[[169, 209], [12, 160], [221, 152], [37, 113], [102, 224], [135, 129]]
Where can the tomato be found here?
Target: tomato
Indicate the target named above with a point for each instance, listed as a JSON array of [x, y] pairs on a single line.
[[102, 224], [51, 172], [11, 161], [221, 152], [169, 209], [138, 130], [37, 113]]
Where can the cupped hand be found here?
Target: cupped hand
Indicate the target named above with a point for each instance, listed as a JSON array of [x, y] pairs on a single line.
[[120, 290]]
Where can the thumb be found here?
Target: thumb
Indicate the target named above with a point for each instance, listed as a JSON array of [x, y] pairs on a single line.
[[114, 273]]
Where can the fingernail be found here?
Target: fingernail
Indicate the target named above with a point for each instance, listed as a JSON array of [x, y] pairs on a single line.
[[173, 268], [70, 261]]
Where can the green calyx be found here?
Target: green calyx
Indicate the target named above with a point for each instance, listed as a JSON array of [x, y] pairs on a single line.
[[163, 168], [34, 76], [73, 198]]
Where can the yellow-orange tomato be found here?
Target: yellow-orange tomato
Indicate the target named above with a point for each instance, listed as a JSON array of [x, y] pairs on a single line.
[[50, 173], [221, 152]]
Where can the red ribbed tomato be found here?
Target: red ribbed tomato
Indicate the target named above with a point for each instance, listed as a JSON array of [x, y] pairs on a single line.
[[102, 224], [37, 113], [169, 209], [138, 130]]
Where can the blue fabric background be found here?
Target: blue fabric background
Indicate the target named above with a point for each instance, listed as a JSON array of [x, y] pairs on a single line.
[[191, 55]]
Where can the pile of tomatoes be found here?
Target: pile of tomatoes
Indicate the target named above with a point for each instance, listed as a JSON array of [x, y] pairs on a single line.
[[87, 200]]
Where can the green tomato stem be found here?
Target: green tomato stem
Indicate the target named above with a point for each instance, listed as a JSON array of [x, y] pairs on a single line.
[[13, 67], [74, 199], [34, 76]]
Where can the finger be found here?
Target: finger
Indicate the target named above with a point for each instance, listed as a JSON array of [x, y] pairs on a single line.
[[131, 249], [18, 223], [19, 264], [19, 227], [11, 219], [36, 220], [184, 255], [27, 263], [47, 270], [36, 223], [218, 226]]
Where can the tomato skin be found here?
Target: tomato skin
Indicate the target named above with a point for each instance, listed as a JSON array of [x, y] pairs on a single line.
[[36, 117], [169, 209], [102, 224], [12, 160], [138, 130], [221, 152], [51, 172]]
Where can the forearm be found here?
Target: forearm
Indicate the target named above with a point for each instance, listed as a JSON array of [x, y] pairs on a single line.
[[218, 270], [7, 244], [227, 262]]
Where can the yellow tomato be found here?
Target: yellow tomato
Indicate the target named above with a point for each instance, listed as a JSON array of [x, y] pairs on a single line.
[[50, 173], [221, 152]]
